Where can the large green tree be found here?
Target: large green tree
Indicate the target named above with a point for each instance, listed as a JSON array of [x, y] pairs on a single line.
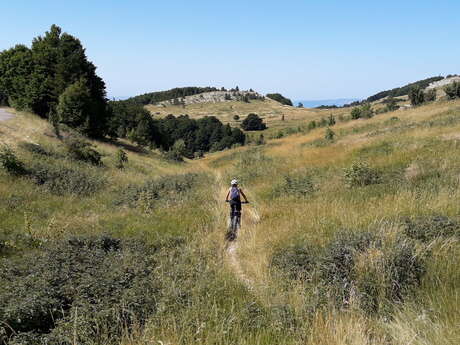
[[34, 78]]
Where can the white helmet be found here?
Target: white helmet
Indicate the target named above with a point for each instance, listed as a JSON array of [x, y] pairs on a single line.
[[234, 182]]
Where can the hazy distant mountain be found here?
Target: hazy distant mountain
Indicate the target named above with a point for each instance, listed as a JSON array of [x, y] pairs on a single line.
[[316, 103]]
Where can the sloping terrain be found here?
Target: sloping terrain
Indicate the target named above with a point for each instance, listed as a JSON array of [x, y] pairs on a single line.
[[347, 240]]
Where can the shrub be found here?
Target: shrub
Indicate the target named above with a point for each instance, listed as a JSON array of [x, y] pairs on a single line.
[[61, 180], [369, 269], [297, 261], [253, 123], [360, 174], [416, 96], [299, 185], [120, 159], [364, 111], [34, 148], [236, 117], [83, 151], [452, 90], [331, 120], [312, 125], [100, 285], [10, 162], [165, 187], [329, 135], [426, 229]]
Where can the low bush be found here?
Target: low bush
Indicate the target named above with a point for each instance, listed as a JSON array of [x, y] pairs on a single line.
[[60, 180], [297, 261], [298, 185], [10, 162], [426, 229], [368, 269], [83, 151], [167, 187], [360, 174], [99, 285], [34, 148]]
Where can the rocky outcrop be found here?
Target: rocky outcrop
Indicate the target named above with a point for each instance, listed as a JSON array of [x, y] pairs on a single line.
[[214, 97]]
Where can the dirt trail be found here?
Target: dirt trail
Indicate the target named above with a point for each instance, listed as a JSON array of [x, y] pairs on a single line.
[[231, 247]]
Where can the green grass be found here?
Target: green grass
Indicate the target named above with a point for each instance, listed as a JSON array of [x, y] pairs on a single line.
[[216, 295]]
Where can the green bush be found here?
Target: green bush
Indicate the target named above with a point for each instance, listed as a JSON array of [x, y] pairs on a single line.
[[329, 135], [121, 158], [370, 270], [426, 229], [253, 122], [166, 187], [416, 95], [10, 162], [364, 111], [297, 261], [299, 185], [60, 180], [452, 90], [100, 285], [360, 174], [81, 150], [34, 148]]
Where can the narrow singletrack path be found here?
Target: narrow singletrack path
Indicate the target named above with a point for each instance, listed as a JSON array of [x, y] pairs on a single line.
[[231, 246]]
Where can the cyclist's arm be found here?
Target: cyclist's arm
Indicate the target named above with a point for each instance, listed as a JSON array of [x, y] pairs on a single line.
[[244, 196], [228, 194]]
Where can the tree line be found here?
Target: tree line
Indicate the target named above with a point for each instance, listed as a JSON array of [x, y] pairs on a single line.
[[54, 79], [279, 98]]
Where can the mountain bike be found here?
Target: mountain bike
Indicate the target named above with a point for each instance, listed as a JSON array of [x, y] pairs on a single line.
[[235, 223]]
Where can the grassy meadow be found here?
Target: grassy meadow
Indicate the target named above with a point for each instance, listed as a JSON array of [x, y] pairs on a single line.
[[347, 241]]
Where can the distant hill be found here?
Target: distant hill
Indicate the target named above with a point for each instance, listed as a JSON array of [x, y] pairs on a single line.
[[404, 90], [178, 92], [328, 102]]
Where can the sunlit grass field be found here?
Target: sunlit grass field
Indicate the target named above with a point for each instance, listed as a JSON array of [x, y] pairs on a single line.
[[220, 292]]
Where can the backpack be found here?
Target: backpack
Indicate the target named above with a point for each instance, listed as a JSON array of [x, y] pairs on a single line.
[[235, 193]]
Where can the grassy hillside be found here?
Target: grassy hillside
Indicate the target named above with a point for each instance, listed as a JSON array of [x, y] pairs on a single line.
[[346, 241]]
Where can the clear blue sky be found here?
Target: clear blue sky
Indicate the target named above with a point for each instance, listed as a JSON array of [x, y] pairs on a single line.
[[303, 49]]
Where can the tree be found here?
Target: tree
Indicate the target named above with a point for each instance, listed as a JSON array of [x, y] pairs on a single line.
[[75, 107], [300, 105], [236, 117], [34, 79], [280, 98], [253, 123], [416, 95]]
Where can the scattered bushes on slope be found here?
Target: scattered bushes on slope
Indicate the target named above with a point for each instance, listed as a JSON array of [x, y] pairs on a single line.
[[34, 148], [60, 180]]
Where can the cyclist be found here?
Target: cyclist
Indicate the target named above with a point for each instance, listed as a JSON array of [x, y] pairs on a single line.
[[234, 197]]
